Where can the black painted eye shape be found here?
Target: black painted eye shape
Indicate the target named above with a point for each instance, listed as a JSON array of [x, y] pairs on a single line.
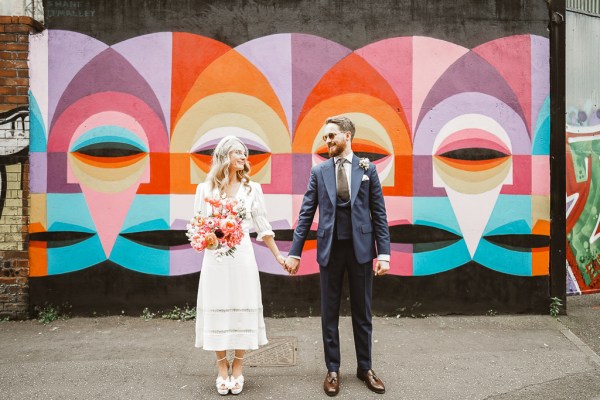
[[109, 149]]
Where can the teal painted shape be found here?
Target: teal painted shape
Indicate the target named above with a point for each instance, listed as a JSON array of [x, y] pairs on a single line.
[[69, 209], [436, 212], [511, 214], [503, 260], [541, 139], [75, 257], [147, 213], [140, 258], [37, 131], [436, 261], [108, 134]]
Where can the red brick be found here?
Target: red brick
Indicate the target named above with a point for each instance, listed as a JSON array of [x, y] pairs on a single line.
[[22, 90], [8, 72], [14, 82], [1, 28], [20, 55], [8, 281], [8, 90], [23, 73], [13, 64], [5, 20], [17, 28], [23, 39], [14, 99], [8, 37], [16, 47]]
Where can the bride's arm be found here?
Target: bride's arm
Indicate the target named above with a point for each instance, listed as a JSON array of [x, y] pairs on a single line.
[[262, 226]]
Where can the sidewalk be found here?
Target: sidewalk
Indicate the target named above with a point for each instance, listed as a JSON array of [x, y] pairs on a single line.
[[487, 357]]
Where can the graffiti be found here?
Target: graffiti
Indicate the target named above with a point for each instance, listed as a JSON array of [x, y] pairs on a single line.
[[122, 134], [583, 199], [13, 127]]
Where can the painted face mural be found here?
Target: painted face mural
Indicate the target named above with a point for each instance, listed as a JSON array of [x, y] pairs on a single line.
[[121, 137]]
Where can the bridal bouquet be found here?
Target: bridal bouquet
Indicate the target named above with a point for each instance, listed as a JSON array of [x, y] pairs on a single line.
[[221, 230]]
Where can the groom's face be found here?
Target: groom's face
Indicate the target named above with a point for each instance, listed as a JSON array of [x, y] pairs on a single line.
[[335, 140]]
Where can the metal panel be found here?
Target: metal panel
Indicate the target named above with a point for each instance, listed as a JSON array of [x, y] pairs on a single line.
[[583, 59], [588, 6]]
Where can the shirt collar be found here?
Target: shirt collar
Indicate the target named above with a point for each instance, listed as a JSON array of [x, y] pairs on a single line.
[[348, 157]]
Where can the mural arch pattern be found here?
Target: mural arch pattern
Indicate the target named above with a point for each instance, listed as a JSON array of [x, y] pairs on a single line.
[[121, 134]]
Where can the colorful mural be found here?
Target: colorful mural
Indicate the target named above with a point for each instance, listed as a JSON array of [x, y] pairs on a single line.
[[583, 200], [121, 134]]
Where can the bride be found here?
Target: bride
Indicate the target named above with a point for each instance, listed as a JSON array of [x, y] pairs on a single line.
[[229, 310]]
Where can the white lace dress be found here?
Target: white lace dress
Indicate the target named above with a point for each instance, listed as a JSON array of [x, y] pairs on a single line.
[[229, 310]]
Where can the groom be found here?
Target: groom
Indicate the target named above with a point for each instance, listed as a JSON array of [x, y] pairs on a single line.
[[352, 230]]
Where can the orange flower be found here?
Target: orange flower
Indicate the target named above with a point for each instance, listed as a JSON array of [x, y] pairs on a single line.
[[211, 241]]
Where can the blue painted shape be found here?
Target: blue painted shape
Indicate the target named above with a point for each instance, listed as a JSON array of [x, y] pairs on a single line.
[[541, 139], [75, 257], [37, 130], [140, 258]]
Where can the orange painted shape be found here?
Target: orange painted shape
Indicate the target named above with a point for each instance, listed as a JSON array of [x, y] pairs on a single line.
[[352, 75], [159, 175], [232, 72], [403, 176], [109, 162], [473, 165], [180, 180], [191, 55], [38, 258], [541, 227], [540, 261]]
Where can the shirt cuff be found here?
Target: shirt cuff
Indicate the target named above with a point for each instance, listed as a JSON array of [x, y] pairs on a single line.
[[383, 257], [296, 257]]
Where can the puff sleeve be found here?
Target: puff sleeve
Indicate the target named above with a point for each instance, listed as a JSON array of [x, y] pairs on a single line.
[[259, 213]]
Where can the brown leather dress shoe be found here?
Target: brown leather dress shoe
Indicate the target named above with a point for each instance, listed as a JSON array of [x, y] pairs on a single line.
[[373, 382], [331, 384]]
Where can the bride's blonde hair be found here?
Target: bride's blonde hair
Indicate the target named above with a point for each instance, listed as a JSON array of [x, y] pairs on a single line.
[[218, 176]]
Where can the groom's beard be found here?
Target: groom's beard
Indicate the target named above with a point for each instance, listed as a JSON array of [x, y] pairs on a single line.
[[336, 149]]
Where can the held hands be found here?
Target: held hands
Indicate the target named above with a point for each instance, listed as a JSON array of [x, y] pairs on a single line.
[[381, 268], [291, 265]]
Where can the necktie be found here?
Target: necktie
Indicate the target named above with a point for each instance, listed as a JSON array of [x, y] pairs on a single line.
[[342, 182]]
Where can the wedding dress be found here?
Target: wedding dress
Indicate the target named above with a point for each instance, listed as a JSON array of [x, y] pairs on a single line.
[[229, 312]]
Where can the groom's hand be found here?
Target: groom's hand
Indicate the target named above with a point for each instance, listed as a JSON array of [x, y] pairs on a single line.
[[382, 268], [291, 265]]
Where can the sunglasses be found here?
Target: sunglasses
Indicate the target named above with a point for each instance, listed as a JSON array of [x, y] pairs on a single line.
[[330, 136]]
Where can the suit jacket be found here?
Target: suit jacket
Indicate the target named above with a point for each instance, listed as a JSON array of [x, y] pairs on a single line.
[[370, 233]]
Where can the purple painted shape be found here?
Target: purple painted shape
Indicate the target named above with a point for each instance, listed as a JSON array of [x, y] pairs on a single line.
[[151, 55], [470, 73], [57, 178], [184, 260], [540, 75], [68, 52], [281, 165], [37, 172], [423, 178], [108, 72], [272, 55], [179, 224], [312, 57], [265, 260], [301, 166], [471, 103]]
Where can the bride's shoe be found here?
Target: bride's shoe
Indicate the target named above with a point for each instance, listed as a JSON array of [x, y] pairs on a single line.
[[239, 382], [223, 384]]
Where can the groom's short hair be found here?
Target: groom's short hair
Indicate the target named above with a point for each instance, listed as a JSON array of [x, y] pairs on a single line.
[[345, 124]]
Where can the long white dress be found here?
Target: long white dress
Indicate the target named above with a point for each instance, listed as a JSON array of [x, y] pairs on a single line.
[[229, 313]]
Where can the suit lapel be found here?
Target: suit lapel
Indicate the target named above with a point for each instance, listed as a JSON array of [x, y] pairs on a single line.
[[357, 174], [328, 172]]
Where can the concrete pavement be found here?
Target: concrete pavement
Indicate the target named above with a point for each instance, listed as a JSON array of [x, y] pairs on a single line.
[[450, 357]]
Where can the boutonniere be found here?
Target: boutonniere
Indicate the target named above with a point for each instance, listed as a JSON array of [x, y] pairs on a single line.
[[364, 163]]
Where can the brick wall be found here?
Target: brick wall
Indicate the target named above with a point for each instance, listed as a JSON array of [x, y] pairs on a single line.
[[14, 164]]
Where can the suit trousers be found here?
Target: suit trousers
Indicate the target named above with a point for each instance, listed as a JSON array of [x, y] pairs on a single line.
[[360, 279]]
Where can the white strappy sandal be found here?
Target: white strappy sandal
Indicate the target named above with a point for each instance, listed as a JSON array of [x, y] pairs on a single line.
[[239, 381], [223, 384]]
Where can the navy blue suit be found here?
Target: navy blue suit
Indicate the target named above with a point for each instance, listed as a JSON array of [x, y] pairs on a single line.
[[368, 236]]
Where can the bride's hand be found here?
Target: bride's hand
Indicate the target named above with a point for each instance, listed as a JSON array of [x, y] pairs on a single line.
[[281, 260]]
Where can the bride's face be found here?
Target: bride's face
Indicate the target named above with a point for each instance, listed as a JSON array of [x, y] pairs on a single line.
[[237, 158]]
